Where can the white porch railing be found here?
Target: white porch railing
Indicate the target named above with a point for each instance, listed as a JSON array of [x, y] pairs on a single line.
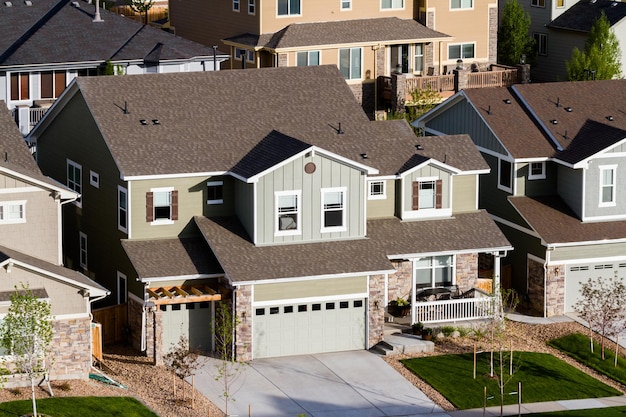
[[454, 310]]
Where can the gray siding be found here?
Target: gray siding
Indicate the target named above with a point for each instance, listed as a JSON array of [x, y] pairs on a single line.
[[560, 46], [575, 253], [462, 118], [329, 173], [524, 244], [592, 188], [570, 188]]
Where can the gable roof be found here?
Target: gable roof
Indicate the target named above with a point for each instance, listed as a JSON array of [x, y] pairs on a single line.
[[57, 272], [385, 30], [213, 122], [583, 14], [568, 121], [63, 32]]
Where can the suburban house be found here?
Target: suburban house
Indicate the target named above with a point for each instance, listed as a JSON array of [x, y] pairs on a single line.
[[364, 39], [31, 255], [290, 205], [557, 154], [560, 25], [45, 44]]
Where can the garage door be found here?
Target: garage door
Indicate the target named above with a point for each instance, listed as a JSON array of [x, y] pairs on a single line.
[[304, 328], [577, 275], [192, 320]]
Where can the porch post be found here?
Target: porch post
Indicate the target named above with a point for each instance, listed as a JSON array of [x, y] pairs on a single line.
[[413, 285], [496, 282]]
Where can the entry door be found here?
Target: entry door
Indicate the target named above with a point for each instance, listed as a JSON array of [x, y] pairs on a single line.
[[400, 55]]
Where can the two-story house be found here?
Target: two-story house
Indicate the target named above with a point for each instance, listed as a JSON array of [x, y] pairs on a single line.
[[364, 39], [31, 255], [556, 152], [45, 44], [290, 205]]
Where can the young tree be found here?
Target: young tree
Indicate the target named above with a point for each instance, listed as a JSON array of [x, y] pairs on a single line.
[[228, 367], [183, 361], [602, 304], [513, 35], [141, 6], [26, 332], [600, 58]]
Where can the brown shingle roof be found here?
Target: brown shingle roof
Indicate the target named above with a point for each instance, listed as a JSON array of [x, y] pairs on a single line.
[[153, 258], [583, 14], [13, 149], [555, 222], [381, 30]]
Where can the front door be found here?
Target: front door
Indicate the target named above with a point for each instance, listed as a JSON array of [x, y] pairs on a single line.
[[399, 58]]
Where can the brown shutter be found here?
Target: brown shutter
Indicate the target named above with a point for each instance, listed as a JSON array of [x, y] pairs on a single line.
[[150, 206], [46, 84], [59, 83], [416, 195], [174, 204], [438, 193], [15, 86], [24, 86]]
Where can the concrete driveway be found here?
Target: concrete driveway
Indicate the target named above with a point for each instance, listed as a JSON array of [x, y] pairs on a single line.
[[344, 384]]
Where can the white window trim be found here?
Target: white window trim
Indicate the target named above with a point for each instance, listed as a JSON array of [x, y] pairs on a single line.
[[94, 179], [298, 229], [541, 176], [119, 224], [426, 212], [500, 186], [216, 184], [79, 200], [158, 222], [82, 236], [253, 4], [345, 9], [122, 298], [350, 79], [611, 203], [288, 15], [238, 3], [432, 269], [461, 44], [456, 9], [344, 209], [14, 203], [382, 196]]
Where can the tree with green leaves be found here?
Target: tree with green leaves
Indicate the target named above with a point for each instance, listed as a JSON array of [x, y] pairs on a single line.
[[514, 38], [141, 6], [26, 332], [600, 58]]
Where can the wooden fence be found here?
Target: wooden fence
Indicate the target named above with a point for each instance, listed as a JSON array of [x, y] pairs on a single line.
[[96, 341], [436, 83], [498, 78], [114, 321]]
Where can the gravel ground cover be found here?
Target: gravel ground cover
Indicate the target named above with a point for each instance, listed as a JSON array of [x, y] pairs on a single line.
[[153, 385]]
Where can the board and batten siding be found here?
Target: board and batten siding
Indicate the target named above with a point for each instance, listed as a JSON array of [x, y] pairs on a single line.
[[464, 193], [310, 288], [592, 188], [462, 118], [570, 188], [427, 171], [384, 207], [591, 253], [328, 174]]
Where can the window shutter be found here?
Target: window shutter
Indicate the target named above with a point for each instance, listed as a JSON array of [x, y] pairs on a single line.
[[438, 193], [174, 204], [416, 194], [150, 206]]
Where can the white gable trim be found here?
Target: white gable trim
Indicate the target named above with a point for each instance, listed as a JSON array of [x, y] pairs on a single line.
[[602, 154]]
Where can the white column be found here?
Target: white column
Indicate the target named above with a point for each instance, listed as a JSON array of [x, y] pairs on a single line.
[[413, 286]]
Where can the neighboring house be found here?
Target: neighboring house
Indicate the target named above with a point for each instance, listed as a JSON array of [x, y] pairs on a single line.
[[30, 254], [365, 39], [557, 157], [45, 44], [560, 25], [290, 203]]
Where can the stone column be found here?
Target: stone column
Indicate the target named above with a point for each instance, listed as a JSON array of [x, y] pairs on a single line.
[[460, 79], [523, 73], [398, 92]]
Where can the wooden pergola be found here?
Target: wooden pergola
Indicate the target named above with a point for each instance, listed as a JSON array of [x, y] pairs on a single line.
[[183, 294]]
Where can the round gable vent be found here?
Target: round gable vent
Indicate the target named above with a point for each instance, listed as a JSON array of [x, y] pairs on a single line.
[[309, 168]]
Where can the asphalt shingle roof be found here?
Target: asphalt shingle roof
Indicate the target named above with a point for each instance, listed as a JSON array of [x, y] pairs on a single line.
[[582, 15], [56, 31], [553, 220], [342, 32]]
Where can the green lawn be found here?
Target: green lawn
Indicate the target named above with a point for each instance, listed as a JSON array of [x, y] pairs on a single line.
[[79, 406], [543, 377], [594, 412], [577, 346]]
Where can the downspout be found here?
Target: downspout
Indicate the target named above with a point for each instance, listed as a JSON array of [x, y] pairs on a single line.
[[413, 287], [60, 224]]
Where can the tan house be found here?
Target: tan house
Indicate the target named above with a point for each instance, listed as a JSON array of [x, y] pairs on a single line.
[[307, 221], [365, 39], [31, 254]]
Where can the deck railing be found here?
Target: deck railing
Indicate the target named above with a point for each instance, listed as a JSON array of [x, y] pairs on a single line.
[[454, 310], [498, 78], [436, 83]]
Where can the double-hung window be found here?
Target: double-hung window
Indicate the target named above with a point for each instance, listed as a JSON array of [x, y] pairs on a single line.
[[607, 185], [391, 4], [12, 212], [215, 192], [418, 62], [434, 271], [537, 171], [350, 63], [307, 58], [505, 175], [334, 209], [346, 4], [162, 205], [122, 209], [541, 41], [538, 3], [377, 190], [75, 178], [236, 5], [251, 6], [289, 7], [82, 247], [287, 212], [461, 4], [461, 51]]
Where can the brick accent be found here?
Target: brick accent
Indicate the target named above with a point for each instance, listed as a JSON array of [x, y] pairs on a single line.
[[555, 290], [466, 271], [243, 332], [380, 61], [376, 309], [364, 95], [535, 287]]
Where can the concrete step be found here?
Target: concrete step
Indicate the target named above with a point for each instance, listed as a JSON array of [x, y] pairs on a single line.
[[401, 343]]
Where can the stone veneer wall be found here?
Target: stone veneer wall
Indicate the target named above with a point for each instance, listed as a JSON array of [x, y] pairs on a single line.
[[535, 287], [493, 34], [466, 271], [243, 333], [399, 284], [376, 309], [555, 290]]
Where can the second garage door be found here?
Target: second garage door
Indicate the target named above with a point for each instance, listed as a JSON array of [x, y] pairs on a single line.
[[305, 328], [577, 275]]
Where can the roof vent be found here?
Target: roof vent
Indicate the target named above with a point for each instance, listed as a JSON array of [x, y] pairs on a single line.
[[489, 109], [339, 130], [507, 100], [156, 122], [364, 156], [609, 118], [28, 3], [144, 122], [8, 4], [592, 1], [419, 147], [614, 4], [558, 102], [568, 109], [75, 4], [554, 121]]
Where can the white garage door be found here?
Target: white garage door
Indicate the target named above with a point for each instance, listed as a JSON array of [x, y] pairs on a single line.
[[191, 320], [304, 328], [577, 275]]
